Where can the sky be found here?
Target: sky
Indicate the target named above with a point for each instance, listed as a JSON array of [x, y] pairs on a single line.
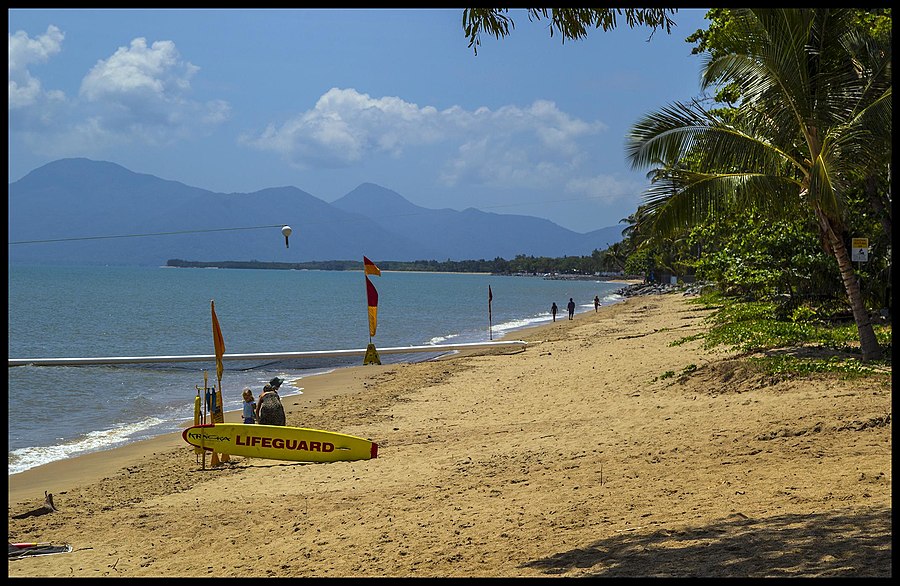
[[238, 100]]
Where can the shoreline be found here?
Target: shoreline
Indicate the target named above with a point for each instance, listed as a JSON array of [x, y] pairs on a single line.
[[81, 469], [614, 445], [315, 388], [60, 475], [234, 416]]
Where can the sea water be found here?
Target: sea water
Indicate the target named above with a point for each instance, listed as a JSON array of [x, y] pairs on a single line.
[[57, 412]]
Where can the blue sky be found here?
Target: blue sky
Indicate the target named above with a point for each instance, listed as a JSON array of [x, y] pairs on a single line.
[[236, 100]]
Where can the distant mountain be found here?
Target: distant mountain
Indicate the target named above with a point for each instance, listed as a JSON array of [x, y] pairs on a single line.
[[69, 210], [471, 233]]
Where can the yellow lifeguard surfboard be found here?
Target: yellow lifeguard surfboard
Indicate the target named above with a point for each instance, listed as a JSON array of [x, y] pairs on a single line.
[[279, 442]]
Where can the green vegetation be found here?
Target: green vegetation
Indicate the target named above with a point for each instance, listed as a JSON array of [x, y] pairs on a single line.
[[793, 366], [570, 23], [665, 375], [682, 376], [522, 264], [802, 144], [685, 339], [814, 340]]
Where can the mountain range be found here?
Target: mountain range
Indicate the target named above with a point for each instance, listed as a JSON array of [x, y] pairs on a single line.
[[80, 211]]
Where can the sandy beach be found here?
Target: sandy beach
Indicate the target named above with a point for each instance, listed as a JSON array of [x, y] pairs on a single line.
[[602, 449]]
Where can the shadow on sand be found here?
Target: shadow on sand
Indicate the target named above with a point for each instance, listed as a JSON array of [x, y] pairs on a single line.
[[840, 543]]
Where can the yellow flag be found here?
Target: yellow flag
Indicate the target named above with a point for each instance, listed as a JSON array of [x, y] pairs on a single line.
[[218, 340]]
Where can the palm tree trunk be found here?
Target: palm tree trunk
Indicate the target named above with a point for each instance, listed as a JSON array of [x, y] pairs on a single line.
[[867, 340]]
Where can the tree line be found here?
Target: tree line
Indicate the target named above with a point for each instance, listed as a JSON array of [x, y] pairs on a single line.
[[521, 264]]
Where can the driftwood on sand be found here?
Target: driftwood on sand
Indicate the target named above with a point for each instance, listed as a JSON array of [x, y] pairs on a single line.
[[47, 507]]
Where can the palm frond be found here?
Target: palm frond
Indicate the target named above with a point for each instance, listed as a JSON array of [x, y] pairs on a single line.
[[665, 135], [690, 199], [821, 189]]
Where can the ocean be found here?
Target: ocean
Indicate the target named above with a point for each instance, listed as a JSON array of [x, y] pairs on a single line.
[[58, 412]]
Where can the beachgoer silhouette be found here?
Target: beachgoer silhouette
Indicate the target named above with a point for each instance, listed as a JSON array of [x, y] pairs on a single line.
[[553, 310], [571, 308], [596, 302]]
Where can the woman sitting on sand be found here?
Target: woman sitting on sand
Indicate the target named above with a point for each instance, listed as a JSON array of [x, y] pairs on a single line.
[[269, 410]]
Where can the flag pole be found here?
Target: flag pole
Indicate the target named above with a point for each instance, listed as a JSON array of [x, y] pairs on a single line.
[[219, 344], [490, 323], [205, 401]]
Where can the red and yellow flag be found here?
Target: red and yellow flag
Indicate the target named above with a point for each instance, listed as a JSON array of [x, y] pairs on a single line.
[[370, 267], [372, 297], [371, 294], [218, 341]]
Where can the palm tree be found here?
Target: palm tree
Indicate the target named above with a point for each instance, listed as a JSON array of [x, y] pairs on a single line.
[[570, 23], [614, 257], [815, 111]]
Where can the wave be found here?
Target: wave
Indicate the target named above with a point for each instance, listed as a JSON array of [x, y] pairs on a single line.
[[440, 339], [25, 458]]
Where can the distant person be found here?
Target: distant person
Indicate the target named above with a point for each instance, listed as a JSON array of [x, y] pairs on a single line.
[[571, 308], [596, 303], [553, 310], [249, 406], [269, 410]]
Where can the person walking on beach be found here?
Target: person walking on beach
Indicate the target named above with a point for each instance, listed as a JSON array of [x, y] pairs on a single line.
[[269, 410], [596, 303], [553, 310], [571, 308], [249, 406]]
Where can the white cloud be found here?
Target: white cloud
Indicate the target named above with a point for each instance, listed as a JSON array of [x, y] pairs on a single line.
[[24, 89], [147, 73], [344, 127], [602, 190], [140, 94], [536, 147], [510, 147]]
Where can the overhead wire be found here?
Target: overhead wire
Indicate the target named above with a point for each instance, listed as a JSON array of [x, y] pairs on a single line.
[[141, 235], [46, 240]]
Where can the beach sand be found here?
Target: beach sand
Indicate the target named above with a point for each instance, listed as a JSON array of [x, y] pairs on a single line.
[[602, 449]]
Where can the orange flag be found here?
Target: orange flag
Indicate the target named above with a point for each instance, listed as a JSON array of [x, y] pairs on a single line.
[[218, 341], [372, 297], [370, 267]]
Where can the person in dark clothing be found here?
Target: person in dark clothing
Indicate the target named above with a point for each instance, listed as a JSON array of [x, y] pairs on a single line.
[[269, 410], [553, 310], [571, 308]]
